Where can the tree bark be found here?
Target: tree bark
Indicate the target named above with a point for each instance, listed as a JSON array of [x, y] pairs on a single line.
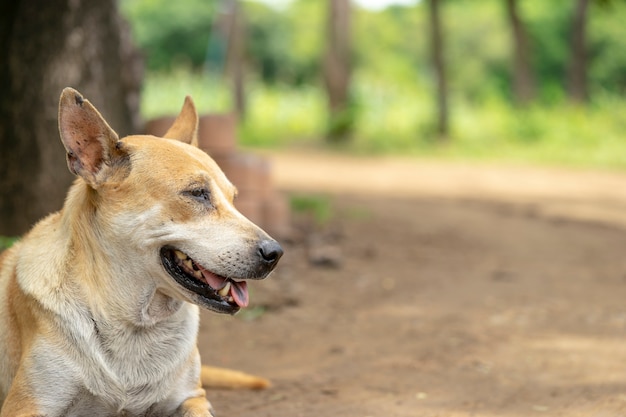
[[437, 54], [577, 73], [47, 45], [337, 63], [231, 26], [523, 80], [239, 90]]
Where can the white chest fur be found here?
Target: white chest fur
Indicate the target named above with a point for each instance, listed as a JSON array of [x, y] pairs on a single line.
[[115, 369]]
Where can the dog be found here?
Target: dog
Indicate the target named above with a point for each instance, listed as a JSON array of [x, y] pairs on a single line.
[[99, 301]]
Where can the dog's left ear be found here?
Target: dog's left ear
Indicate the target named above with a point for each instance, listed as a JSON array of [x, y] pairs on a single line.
[[93, 148], [185, 127]]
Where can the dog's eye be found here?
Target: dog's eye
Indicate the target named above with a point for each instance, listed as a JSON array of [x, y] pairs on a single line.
[[201, 194]]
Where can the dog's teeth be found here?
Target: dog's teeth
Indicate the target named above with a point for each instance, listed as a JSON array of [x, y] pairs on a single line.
[[188, 264], [197, 274], [225, 290], [180, 255]]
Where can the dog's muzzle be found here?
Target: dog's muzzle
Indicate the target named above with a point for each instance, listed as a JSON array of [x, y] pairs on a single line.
[[213, 291]]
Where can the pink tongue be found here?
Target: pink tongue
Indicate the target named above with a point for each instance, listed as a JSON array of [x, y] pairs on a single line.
[[238, 290], [213, 280]]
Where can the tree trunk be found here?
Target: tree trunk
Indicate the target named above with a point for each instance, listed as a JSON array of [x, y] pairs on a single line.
[[437, 47], [523, 80], [233, 27], [337, 68], [47, 45], [239, 90], [577, 73]]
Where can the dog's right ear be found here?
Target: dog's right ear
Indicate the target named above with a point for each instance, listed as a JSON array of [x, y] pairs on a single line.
[[185, 127], [93, 148]]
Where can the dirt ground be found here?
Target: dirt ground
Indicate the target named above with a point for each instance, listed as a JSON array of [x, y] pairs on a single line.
[[454, 290]]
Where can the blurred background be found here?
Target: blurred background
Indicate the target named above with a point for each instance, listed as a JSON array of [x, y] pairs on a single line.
[[522, 79], [511, 80]]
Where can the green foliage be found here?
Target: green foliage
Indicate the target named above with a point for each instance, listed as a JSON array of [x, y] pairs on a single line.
[[395, 118], [164, 92], [251, 313], [548, 28], [477, 46], [341, 124], [318, 207], [285, 46], [169, 33], [279, 115], [607, 46], [393, 82], [391, 44], [6, 242]]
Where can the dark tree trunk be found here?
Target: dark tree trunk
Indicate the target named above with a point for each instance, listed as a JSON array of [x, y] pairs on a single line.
[[337, 67], [231, 26], [437, 53], [577, 73], [523, 80], [239, 90], [46, 45]]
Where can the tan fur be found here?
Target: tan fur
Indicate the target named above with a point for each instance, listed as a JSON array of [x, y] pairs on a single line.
[[230, 379], [94, 319]]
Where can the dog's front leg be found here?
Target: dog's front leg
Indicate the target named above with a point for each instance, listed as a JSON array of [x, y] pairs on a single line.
[[15, 408], [20, 402]]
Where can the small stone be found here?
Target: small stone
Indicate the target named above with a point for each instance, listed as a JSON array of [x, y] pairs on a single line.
[[324, 255]]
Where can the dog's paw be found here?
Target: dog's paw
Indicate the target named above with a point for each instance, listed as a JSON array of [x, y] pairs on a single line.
[[197, 413], [196, 407]]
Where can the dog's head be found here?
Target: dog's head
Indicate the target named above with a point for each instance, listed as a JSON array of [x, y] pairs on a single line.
[[167, 202]]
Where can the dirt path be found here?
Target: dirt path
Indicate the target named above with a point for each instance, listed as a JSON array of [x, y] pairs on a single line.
[[579, 194], [462, 291]]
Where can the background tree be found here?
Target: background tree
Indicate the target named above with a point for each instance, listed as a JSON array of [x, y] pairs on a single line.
[[437, 55], [236, 61], [577, 70], [172, 34], [337, 68], [46, 45], [285, 47], [523, 80], [226, 50]]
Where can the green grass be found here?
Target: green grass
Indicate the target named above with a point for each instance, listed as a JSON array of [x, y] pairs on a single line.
[[251, 313], [6, 242], [317, 206], [163, 93], [566, 135], [397, 119]]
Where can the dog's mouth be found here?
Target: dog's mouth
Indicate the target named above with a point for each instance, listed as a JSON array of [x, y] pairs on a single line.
[[215, 292]]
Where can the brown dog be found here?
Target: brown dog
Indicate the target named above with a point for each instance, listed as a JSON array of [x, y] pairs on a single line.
[[98, 302]]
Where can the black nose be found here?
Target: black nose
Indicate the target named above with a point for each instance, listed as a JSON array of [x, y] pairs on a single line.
[[270, 252]]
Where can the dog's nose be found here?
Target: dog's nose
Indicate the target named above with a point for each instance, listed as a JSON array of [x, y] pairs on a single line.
[[270, 252]]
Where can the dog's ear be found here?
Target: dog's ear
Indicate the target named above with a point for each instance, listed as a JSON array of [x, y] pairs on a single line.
[[185, 127], [93, 148]]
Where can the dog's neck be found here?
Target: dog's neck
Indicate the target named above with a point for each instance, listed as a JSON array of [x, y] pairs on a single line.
[[111, 270], [158, 307]]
